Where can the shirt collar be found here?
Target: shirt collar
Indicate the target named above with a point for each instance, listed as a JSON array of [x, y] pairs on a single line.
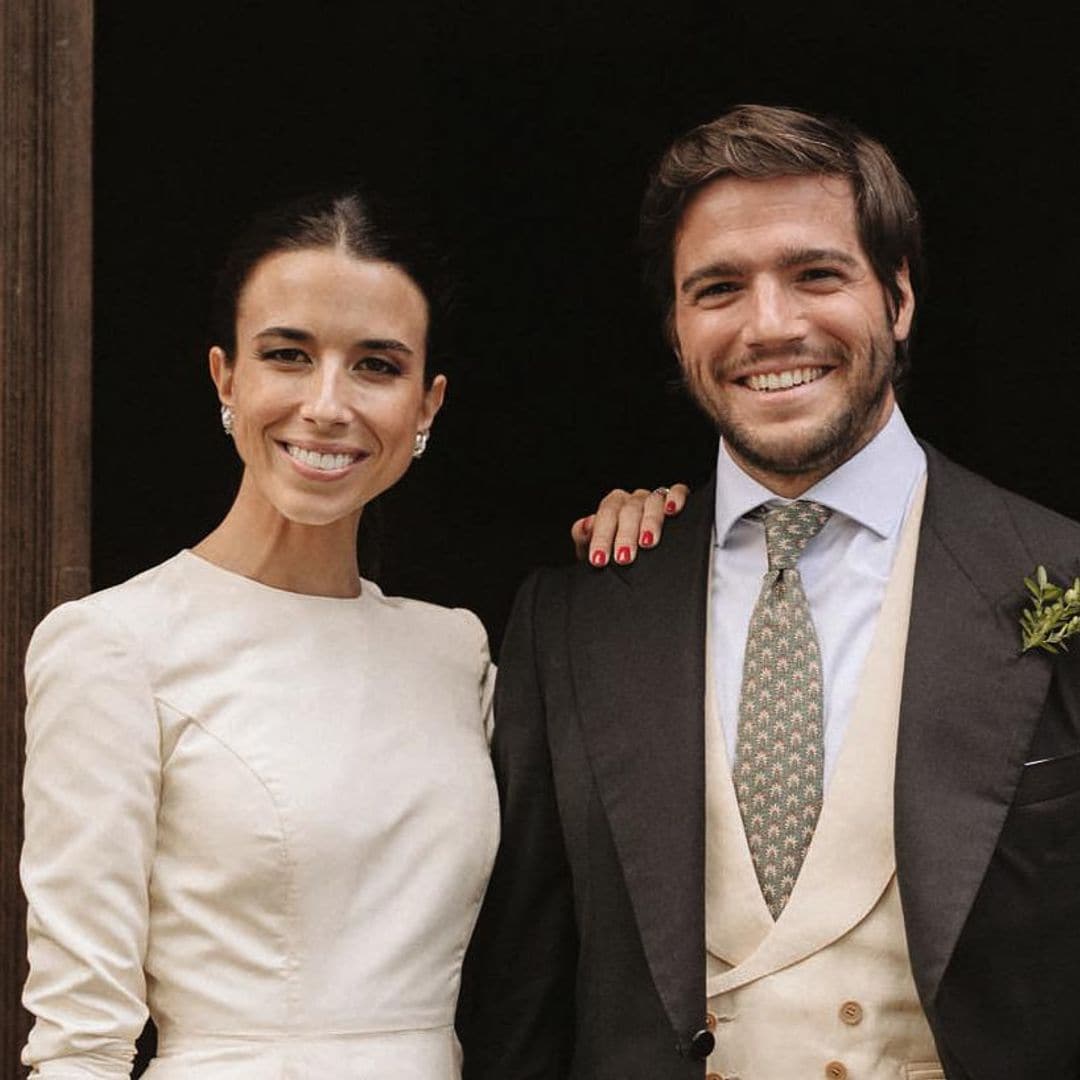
[[872, 488]]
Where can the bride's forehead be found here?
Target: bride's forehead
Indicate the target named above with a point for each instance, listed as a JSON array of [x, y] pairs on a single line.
[[329, 287]]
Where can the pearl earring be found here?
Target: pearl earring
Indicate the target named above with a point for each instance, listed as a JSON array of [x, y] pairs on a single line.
[[420, 443], [227, 418]]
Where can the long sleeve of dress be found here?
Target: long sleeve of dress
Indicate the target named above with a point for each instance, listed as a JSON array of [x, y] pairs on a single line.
[[488, 671], [91, 790]]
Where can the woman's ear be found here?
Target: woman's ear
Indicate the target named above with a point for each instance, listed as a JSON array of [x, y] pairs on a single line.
[[434, 396], [221, 371]]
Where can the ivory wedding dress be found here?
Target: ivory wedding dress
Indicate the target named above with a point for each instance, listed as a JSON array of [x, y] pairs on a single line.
[[268, 818]]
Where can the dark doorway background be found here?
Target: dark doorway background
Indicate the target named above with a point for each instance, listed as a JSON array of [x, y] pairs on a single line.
[[528, 130]]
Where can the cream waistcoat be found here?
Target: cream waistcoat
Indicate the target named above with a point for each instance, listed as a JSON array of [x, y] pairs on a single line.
[[826, 990]]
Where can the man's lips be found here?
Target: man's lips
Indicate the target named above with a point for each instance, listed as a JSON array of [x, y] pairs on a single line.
[[774, 377]]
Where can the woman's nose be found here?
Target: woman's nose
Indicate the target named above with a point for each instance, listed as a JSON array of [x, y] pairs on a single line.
[[325, 402]]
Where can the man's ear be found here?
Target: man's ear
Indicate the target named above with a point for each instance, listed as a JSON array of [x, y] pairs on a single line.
[[905, 312], [221, 371], [671, 334]]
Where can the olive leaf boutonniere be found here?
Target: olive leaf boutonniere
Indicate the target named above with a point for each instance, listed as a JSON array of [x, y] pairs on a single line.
[[1055, 615]]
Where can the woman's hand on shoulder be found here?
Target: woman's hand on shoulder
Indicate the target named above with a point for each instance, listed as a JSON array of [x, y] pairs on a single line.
[[624, 522]]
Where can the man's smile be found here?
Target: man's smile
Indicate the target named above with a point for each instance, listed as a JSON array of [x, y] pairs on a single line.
[[770, 381]]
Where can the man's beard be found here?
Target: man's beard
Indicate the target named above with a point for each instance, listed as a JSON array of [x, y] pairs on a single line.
[[838, 438]]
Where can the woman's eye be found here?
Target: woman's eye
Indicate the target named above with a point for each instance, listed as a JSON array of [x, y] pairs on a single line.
[[378, 365], [286, 355]]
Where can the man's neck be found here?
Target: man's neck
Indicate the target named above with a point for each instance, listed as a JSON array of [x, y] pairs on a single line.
[[790, 485]]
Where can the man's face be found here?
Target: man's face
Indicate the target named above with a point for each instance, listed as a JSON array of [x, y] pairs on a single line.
[[782, 328]]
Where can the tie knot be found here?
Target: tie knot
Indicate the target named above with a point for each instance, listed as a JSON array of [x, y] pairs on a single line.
[[788, 529]]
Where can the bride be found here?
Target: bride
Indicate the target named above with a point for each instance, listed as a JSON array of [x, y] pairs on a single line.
[[259, 804]]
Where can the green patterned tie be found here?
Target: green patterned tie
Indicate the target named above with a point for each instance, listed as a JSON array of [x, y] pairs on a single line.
[[778, 761]]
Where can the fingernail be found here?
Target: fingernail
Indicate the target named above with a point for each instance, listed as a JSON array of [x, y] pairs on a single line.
[[646, 539], [622, 555], [669, 507], [598, 557]]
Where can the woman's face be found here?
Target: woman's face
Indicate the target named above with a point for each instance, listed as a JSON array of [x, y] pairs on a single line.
[[327, 385]]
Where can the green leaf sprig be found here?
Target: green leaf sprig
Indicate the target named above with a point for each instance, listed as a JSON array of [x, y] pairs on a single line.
[[1055, 616]]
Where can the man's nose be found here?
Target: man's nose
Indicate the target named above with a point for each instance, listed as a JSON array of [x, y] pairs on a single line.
[[325, 402], [774, 316]]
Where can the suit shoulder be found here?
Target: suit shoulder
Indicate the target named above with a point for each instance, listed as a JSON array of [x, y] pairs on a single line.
[[1041, 526], [972, 503], [686, 539], [543, 590]]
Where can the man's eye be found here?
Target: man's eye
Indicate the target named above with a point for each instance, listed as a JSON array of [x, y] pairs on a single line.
[[715, 288], [286, 355], [820, 273]]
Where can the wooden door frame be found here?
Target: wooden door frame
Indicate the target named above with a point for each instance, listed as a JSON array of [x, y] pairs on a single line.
[[46, 73]]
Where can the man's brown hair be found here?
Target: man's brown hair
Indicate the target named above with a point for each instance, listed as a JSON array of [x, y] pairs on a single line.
[[760, 142]]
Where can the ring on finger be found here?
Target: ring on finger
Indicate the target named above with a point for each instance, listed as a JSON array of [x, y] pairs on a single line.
[[661, 491]]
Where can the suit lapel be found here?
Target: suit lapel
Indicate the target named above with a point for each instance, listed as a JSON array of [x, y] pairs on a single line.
[[969, 710], [638, 649]]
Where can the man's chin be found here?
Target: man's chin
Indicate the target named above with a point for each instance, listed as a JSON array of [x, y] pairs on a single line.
[[813, 455], [817, 448]]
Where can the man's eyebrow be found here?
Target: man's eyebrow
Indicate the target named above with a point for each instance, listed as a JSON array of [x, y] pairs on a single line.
[[803, 256], [291, 333]]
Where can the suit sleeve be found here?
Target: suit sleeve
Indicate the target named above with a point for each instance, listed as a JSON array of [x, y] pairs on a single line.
[[516, 1015], [91, 792]]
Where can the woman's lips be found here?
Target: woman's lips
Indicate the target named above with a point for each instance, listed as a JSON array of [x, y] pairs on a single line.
[[322, 462]]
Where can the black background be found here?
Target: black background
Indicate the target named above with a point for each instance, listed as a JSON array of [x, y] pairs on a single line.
[[529, 131]]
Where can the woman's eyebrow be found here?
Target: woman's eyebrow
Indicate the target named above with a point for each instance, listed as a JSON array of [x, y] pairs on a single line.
[[385, 345], [291, 333]]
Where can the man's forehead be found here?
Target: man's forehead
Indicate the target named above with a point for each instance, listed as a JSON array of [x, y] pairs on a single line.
[[735, 200], [781, 210]]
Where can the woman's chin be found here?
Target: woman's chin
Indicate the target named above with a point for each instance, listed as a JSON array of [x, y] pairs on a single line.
[[322, 519], [316, 512]]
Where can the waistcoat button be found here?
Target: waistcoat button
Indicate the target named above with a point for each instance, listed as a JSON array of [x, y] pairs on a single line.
[[701, 1044], [851, 1012], [836, 1070], [710, 1021]]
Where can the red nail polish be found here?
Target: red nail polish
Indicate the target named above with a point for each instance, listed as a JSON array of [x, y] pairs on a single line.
[[669, 507], [622, 555], [599, 558], [647, 539]]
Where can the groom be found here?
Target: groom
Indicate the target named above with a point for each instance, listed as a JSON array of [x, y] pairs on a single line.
[[784, 799]]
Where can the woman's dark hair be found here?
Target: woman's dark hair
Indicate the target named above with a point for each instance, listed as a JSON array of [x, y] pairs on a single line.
[[359, 224]]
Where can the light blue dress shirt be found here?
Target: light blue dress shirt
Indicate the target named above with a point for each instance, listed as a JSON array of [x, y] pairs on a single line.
[[844, 569]]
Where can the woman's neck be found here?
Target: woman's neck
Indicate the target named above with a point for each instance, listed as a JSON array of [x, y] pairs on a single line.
[[256, 541]]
